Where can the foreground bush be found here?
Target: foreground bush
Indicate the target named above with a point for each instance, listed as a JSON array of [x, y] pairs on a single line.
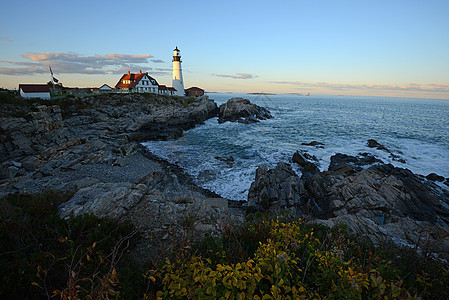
[[85, 257], [43, 256], [296, 261]]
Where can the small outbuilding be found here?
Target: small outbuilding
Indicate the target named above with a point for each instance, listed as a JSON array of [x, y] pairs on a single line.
[[105, 89], [171, 90], [194, 92], [28, 91]]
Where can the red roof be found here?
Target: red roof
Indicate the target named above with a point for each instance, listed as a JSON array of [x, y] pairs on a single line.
[[162, 87], [34, 88], [133, 78], [171, 88], [194, 88]]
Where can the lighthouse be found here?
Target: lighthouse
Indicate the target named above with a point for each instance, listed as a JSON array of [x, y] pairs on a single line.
[[177, 83]]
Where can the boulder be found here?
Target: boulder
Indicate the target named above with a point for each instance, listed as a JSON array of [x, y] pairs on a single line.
[[349, 163], [104, 200], [374, 144], [303, 160], [435, 177], [242, 110], [274, 190], [313, 143]]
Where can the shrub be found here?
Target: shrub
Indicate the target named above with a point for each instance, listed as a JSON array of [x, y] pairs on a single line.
[[42, 255], [294, 260], [188, 101]]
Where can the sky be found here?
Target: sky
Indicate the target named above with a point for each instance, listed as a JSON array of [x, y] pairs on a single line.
[[369, 48]]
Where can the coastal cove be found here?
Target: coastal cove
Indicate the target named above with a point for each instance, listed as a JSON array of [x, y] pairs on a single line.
[[185, 178], [415, 131]]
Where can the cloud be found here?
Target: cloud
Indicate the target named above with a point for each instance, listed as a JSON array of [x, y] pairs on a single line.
[[114, 63], [414, 87], [237, 76], [5, 38], [158, 61]]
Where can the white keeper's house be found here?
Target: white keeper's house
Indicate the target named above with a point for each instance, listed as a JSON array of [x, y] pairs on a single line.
[[141, 83], [34, 91]]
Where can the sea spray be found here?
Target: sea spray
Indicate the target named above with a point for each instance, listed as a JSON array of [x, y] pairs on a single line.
[[416, 130]]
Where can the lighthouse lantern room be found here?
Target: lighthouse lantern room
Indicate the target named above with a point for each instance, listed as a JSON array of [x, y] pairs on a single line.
[[177, 82]]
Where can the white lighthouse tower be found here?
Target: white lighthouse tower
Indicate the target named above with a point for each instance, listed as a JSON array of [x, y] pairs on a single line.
[[177, 83]]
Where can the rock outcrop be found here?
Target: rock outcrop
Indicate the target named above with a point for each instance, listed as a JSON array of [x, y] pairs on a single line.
[[374, 200], [374, 144], [275, 190], [36, 131], [243, 111], [304, 160], [90, 146]]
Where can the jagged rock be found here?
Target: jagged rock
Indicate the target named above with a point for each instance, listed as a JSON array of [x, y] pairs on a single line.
[[313, 143], [36, 131], [303, 160], [104, 200], [349, 163], [377, 201], [274, 190], [380, 202], [374, 144], [435, 177], [242, 110], [171, 125]]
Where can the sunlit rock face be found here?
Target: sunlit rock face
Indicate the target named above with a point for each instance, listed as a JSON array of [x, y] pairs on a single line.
[[242, 110]]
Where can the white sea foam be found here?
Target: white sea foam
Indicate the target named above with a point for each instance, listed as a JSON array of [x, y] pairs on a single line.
[[416, 130]]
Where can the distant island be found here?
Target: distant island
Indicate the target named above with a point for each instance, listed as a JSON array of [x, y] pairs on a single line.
[[260, 94]]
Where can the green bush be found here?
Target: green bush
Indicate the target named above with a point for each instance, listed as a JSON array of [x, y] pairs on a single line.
[[42, 255], [84, 257], [293, 260]]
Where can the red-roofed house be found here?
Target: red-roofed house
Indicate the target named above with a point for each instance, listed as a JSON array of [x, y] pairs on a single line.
[[194, 91], [163, 89], [137, 83], [34, 91]]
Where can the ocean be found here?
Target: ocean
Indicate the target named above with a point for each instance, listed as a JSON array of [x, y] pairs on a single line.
[[417, 130]]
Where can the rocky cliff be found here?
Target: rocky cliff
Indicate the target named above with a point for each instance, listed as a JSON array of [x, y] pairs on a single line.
[[90, 147], [377, 201]]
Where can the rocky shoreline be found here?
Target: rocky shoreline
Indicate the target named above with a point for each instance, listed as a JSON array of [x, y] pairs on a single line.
[[91, 148]]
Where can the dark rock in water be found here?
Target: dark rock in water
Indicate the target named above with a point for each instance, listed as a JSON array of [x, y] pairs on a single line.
[[302, 159], [374, 144], [435, 177], [351, 163], [397, 158], [243, 111], [313, 143], [274, 190], [229, 160]]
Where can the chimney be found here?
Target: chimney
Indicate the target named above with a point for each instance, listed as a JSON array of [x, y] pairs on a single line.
[[140, 71], [129, 72]]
